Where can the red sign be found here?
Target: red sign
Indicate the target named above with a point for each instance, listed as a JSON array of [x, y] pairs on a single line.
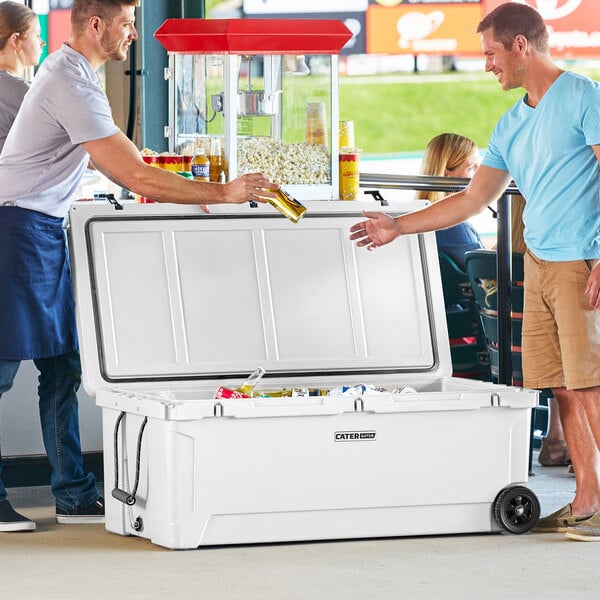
[[59, 28], [573, 25], [424, 29]]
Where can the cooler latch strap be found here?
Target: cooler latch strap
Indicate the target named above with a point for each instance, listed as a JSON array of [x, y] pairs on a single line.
[[118, 493], [111, 198], [377, 196]]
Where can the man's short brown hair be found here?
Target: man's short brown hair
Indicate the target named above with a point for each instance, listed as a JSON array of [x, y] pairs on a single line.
[[511, 19], [83, 10]]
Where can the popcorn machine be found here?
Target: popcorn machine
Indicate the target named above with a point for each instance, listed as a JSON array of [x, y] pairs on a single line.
[[268, 88]]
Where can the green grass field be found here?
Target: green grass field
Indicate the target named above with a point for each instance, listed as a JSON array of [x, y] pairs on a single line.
[[401, 113]]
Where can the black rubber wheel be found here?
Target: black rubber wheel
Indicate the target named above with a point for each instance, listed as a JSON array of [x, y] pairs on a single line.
[[516, 509]]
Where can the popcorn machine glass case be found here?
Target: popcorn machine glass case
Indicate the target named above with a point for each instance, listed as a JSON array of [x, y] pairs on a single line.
[[268, 88]]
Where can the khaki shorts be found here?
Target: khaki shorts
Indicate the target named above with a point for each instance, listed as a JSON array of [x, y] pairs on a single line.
[[561, 333]]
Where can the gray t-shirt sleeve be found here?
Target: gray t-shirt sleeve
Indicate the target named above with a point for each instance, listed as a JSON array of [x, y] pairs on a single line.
[[85, 114]]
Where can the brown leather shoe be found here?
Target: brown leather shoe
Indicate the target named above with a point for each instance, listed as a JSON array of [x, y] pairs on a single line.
[[559, 521], [588, 531]]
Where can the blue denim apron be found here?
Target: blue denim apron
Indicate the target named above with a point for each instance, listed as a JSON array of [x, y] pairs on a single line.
[[37, 309]]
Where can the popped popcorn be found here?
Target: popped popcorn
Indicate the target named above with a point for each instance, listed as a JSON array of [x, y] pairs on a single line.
[[287, 163], [284, 162]]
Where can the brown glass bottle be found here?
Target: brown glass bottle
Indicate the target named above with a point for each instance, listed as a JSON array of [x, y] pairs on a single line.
[[216, 158]]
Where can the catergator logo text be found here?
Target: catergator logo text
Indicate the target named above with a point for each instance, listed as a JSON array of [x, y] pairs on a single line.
[[355, 436]]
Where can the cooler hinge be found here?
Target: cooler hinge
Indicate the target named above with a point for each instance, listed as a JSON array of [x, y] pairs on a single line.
[[495, 399], [218, 410]]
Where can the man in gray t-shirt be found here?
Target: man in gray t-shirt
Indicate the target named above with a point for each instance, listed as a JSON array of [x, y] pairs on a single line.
[[44, 158], [64, 121]]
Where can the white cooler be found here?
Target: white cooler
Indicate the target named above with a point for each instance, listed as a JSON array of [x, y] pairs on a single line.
[[173, 303]]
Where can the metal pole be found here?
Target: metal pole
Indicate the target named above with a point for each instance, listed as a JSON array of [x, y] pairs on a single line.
[[504, 287], [193, 9]]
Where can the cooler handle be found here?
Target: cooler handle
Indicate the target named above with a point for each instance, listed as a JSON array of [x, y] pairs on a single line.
[[117, 493]]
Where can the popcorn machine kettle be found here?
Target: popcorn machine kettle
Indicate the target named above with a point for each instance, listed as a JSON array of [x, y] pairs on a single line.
[[267, 87]]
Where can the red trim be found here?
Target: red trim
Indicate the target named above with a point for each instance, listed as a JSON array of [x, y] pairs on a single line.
[[253, 36], [469, 341]]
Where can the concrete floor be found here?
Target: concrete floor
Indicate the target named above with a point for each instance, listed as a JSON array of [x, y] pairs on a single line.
[[86, 561]]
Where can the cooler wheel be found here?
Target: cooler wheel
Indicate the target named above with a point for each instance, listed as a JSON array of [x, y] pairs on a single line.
[[516, 509]]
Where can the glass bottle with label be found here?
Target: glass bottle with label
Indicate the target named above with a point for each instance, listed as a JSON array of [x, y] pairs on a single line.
[[200, 166], [247, 387]]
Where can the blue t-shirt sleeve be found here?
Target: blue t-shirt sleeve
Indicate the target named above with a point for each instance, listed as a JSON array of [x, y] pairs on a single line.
[[591, 114], [493, 157]]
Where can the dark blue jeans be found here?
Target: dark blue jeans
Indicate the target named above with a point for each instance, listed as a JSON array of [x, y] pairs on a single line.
[[59, 381]]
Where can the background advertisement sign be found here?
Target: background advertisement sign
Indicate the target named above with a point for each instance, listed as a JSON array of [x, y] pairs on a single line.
[[424, 29], [59, 28], [255, 7], [355, 22], [404, 2], [573, 25]]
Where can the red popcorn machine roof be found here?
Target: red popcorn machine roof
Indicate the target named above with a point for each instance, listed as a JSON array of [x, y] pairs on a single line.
[[253, 36]]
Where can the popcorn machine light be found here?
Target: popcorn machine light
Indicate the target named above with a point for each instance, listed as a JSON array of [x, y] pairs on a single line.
[[268, 87]]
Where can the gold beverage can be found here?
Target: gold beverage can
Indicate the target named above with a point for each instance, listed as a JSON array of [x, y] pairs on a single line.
[[346, 135], [288, 206], [349, 175]]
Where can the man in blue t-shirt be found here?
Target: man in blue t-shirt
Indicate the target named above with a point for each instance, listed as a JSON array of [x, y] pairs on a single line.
[[549, 143]]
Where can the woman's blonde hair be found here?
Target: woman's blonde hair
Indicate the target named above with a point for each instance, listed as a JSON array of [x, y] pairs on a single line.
[[444, 151]]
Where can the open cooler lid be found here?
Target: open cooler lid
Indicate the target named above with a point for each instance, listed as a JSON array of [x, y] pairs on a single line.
[[169, 293]]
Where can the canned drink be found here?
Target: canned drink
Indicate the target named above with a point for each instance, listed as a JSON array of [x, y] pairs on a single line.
[[349, 175], [283, 393], [300, 392], [346, 135], [223, 392], [186, 162], [288, 206]]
